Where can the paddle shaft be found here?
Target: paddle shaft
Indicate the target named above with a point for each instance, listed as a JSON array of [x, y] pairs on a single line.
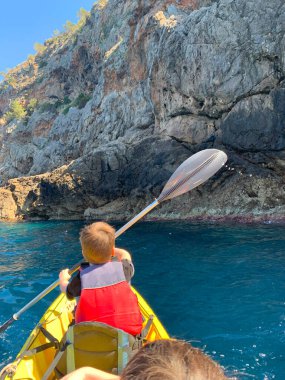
[[74, 268], [137, 217], [191, 173]]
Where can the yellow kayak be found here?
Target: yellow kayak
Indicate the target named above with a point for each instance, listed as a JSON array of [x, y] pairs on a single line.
[[43, 356]]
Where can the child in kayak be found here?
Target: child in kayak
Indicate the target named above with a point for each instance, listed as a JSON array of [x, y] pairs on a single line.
[[103, 282]]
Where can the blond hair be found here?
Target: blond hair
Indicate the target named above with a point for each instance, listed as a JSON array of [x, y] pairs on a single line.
[[172, 360], [97, 242]]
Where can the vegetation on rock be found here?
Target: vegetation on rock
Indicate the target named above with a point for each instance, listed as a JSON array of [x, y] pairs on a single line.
[[17, 111], [79, 102]]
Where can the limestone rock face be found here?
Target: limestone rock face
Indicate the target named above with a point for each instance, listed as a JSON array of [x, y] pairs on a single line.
[[161, 80], [8, 206]]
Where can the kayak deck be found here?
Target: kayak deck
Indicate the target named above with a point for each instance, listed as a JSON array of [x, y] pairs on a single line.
[[56, 321]]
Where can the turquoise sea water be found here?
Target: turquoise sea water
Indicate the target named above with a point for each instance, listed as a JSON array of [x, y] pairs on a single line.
[[220, 286]]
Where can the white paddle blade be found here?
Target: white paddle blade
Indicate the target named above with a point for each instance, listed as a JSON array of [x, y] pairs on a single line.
[[193, 172]]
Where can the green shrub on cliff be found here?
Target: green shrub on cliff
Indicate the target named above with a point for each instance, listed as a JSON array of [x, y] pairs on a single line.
[[48, 107], [66, 100], [9, 78], [32, 106], [19, 111], [79, 102], [66, 109], [70, 27], [83, 16], [39, 48], [54, 106], [42, 64], [60, 38], [16, 111]]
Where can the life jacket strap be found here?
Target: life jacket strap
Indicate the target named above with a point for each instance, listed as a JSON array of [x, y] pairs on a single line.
[[53, 342], [48, 335], [10, 369], [41, 348], [70, 357], [55, 361], [124, 350]]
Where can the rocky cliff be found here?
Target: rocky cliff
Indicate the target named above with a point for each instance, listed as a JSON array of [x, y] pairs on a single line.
[[139, 88]]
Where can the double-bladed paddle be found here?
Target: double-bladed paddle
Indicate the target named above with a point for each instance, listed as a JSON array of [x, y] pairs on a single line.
[[191, 173]]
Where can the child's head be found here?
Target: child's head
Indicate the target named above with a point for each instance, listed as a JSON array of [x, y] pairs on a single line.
[[97, 242], [172, 360]]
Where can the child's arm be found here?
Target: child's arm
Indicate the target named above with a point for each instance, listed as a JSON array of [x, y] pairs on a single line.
[[126, 259], [64, 277], [122, 254]]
